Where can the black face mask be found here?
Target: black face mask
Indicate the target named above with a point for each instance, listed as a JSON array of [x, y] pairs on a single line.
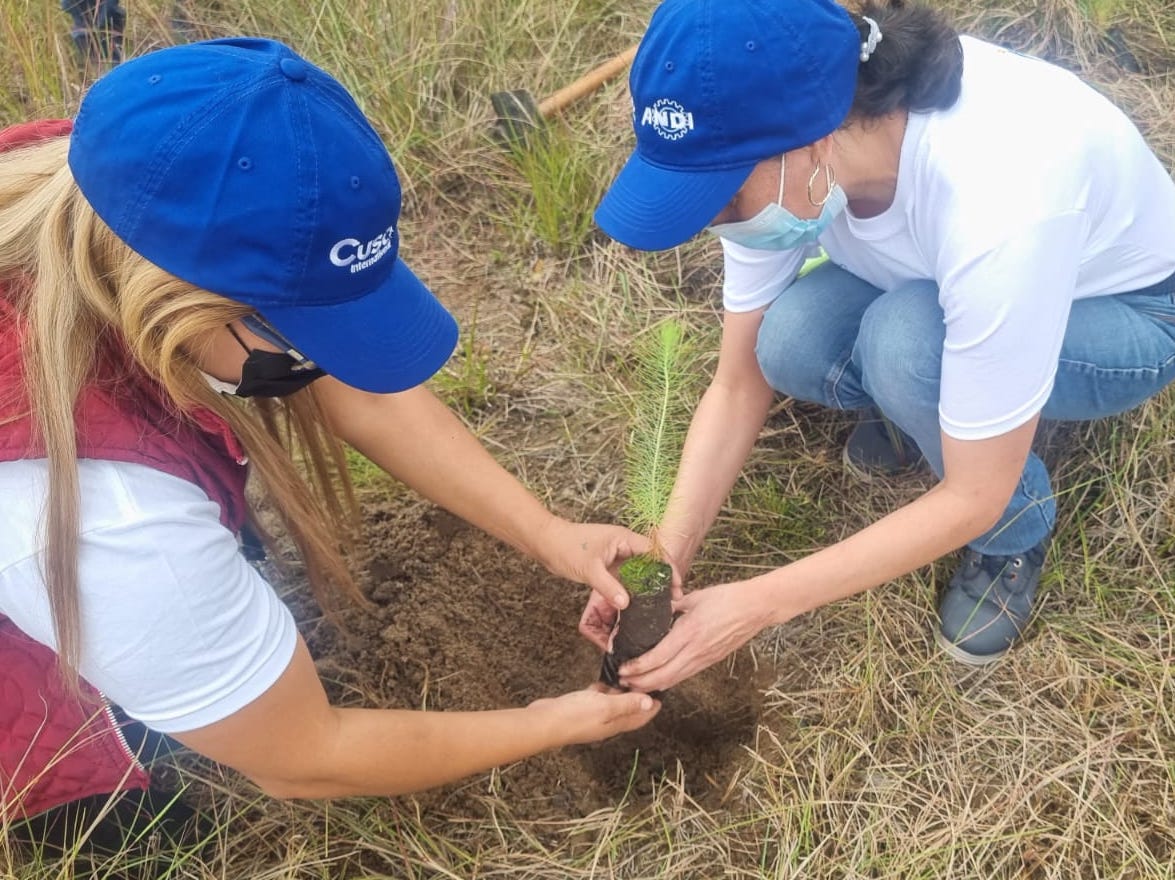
[[273, 373]]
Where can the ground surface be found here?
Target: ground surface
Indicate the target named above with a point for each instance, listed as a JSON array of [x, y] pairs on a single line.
[[463, 622]]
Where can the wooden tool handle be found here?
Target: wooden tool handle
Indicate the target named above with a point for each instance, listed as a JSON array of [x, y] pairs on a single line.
[[586, 84]]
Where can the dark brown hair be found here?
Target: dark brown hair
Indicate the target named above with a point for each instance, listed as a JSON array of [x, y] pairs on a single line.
[[917, 66]]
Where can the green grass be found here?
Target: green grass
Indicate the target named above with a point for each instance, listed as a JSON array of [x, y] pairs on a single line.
[[465, 382], [561, 187], [875, 757], [365, 474]]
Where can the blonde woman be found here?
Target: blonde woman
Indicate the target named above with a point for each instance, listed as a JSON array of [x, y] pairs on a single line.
[[220, 222]]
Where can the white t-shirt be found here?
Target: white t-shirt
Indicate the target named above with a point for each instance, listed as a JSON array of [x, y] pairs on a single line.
[[1032, 191], [177, 628]]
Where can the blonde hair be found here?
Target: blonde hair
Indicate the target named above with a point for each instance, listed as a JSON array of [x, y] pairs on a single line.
[[80, 288]]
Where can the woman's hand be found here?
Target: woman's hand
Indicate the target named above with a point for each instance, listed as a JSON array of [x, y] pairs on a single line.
[[586, 553], [713, 623], [597, 621], [599, 615], [594, 713]]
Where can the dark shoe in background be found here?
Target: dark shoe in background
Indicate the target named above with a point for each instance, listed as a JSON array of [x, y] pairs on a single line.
[[987, 605], [195, 20], [184, 26], [878, 447], [97, 31]]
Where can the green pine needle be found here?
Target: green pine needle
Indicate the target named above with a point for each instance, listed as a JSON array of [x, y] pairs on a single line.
[[659, 423]]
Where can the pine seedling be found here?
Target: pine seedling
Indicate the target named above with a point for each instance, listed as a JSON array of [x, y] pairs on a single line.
[[660, 417], [658, 425]]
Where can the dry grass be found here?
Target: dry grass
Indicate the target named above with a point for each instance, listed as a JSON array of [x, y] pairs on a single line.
[[876, 757]]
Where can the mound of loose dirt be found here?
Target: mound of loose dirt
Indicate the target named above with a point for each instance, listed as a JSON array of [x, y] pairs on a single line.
[[463, 622]]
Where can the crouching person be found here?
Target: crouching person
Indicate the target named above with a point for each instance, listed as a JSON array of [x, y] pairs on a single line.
[[220, 222]]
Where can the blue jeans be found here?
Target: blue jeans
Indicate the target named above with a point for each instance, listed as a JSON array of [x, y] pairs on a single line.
[[833, 339]]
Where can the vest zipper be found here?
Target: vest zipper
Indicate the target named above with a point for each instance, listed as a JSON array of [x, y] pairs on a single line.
[[126, 747]]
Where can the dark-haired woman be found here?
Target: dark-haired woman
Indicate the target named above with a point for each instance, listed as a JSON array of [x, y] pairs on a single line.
[[1002, 249]]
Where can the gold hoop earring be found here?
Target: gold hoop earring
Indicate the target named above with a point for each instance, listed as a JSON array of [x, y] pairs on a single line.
[[829, 183]]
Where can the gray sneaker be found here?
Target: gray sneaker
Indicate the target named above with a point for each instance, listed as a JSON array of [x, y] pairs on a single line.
[[879, 447], [986, 606]]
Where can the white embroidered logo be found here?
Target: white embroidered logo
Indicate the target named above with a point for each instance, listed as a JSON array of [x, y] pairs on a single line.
[[351, 252], [669, 119]]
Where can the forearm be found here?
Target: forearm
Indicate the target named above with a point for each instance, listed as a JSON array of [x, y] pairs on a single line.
[[391, 752], [723, 431], [719, 619], [912, 536], [980, 478], [293, 743], [417, 439]]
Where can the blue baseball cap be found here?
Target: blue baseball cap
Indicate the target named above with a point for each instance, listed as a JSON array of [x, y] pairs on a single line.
[[245, 170], [717, 87]]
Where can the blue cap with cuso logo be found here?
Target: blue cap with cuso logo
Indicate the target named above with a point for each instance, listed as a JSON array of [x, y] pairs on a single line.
[[717, 87], [245, 170]]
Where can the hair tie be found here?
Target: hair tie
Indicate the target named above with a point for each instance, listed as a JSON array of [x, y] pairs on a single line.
[[869, 44]]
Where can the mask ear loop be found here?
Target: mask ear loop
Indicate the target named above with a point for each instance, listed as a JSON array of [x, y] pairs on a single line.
[[782, 168], [237, 337], [829, 182], [256, 324]]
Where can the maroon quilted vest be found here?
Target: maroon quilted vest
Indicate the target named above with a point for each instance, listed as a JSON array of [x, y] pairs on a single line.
[[55, 748]]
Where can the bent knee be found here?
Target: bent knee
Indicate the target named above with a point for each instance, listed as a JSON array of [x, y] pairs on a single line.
[[901, 340], [796, 353], [788, 371]]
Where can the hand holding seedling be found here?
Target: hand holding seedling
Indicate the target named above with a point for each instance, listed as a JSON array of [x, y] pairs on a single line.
[[712, 624], [586, 553], [599, 617]]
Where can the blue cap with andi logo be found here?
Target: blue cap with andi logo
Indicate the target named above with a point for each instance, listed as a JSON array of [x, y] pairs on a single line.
[[243, 169], [717, 87]]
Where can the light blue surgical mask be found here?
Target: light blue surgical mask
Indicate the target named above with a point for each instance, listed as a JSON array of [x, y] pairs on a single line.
[[775, 228]]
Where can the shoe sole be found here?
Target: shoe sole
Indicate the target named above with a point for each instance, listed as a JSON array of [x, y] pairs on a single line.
[[965, 657], [861, 473]]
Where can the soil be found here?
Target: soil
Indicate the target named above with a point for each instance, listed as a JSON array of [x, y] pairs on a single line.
[[463, 622]]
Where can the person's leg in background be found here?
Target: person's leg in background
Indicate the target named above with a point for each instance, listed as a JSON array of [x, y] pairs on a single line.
[[1118, 351]]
